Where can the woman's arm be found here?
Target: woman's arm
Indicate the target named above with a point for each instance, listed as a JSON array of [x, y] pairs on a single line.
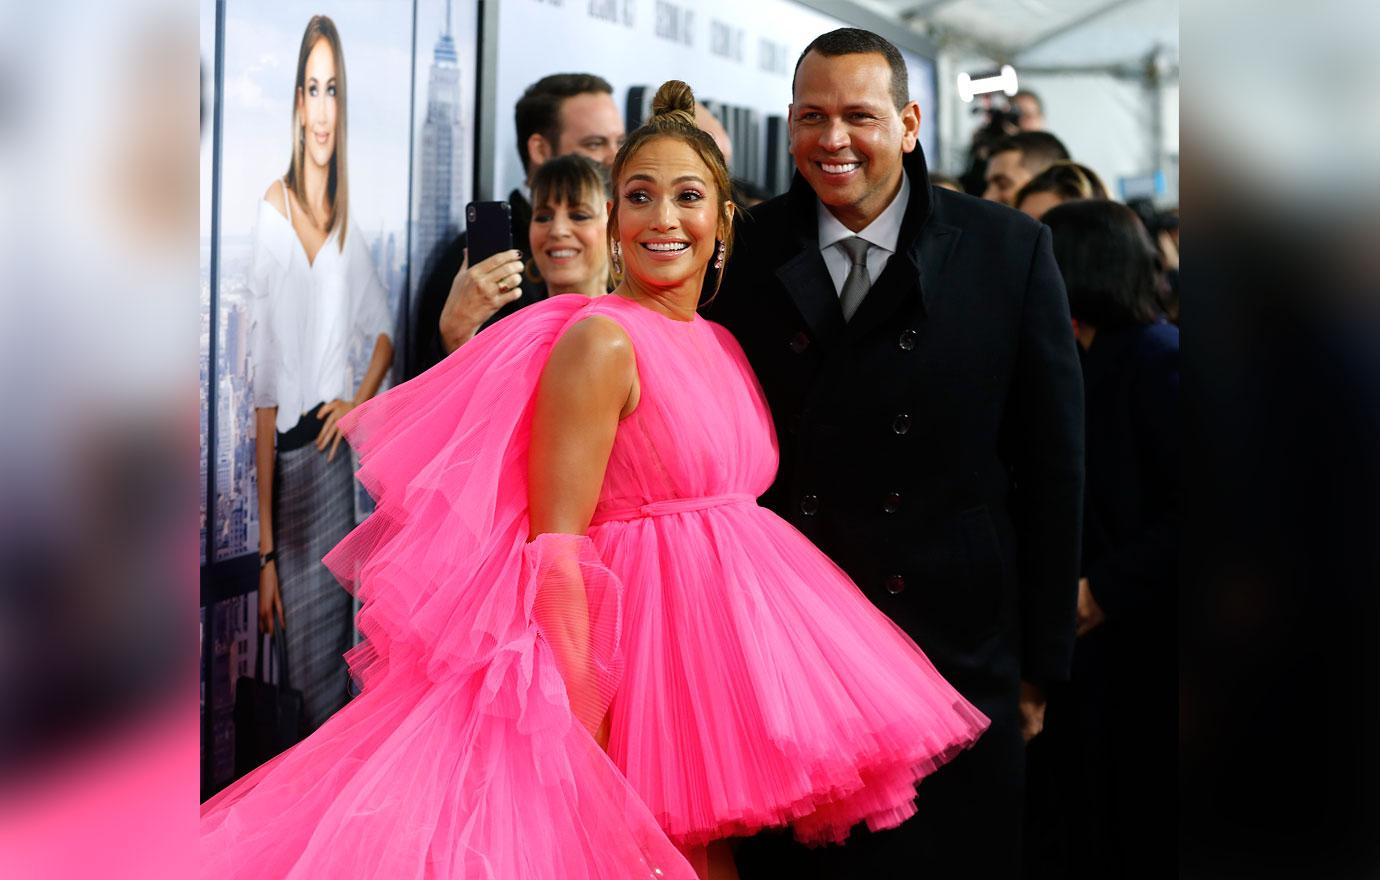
[[334, 411], [587, 386], [379, 362], [270, 600]]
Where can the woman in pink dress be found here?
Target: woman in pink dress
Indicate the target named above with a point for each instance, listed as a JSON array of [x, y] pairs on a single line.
[[589, 652]]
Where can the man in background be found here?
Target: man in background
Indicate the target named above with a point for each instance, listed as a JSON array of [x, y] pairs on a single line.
[[1013, 161], [1030, 110], [558, 114]]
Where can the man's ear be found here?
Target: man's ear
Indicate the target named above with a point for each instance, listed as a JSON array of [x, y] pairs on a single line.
[[790, 119], [910, 126], [538, 151]]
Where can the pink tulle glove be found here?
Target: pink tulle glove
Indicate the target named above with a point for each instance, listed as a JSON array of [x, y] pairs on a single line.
[[576, 603]]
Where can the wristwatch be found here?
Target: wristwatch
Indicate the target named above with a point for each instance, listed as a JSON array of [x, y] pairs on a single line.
[[266, 558]]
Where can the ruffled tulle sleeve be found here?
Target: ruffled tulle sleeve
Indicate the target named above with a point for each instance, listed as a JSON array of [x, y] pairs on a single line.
[[442, 567]]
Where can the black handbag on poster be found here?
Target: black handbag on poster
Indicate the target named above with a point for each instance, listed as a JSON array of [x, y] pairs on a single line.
[[268, 717]]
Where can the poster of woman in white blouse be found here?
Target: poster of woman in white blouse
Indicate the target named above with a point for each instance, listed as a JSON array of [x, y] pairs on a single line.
[[314, 295]]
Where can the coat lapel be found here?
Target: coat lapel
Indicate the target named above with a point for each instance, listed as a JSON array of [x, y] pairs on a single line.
[[807, 280], [804, 276], [930, 252]]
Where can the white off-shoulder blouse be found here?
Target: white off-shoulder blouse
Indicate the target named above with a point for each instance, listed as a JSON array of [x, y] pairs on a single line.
[[305, 317]]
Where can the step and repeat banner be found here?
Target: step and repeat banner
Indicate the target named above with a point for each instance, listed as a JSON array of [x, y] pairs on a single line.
[[738, 57]]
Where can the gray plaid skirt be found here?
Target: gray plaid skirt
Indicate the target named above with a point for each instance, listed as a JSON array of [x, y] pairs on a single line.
[[314, 509]]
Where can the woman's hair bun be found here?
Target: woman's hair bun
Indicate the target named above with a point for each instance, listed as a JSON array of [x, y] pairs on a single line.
[[674, 100]]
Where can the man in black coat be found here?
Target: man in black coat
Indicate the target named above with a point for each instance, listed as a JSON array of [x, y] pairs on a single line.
[[931, 441], [558, 114]]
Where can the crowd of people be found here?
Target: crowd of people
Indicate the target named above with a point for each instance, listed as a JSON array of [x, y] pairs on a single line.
[[587, 646]]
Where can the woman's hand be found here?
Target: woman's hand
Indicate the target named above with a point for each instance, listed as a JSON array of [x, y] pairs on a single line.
[[330, 434], [1090, 614], [270, 599], [476, 293], [1032, 706]]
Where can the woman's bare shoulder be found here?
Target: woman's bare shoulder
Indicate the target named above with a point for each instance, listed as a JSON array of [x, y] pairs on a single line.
[[595, 345]]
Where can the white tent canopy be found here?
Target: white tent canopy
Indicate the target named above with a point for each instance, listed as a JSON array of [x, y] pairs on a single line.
[[1106, 70]]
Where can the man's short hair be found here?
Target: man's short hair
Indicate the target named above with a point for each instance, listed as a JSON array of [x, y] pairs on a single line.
[[538, 111], [856, 41], [1038, 149]]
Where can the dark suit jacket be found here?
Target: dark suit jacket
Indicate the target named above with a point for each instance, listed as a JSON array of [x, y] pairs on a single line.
[[426, 349], [933, 445]]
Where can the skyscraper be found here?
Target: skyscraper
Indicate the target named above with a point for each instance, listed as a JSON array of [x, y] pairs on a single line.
[[438, 193]]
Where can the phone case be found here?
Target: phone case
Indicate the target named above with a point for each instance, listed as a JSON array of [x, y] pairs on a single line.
[[488, 229]]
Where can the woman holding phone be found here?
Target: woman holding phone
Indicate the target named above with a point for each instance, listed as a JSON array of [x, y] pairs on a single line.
[[569, 251], [314, 295]]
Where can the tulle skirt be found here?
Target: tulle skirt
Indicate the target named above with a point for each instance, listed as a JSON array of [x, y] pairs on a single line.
[[761, 687]]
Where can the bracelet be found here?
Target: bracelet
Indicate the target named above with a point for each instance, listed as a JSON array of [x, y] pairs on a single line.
[[266, 558]]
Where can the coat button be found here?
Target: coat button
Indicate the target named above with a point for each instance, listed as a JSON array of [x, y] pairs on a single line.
[[799, 342], [901, 424], [809, 505], [908, 338], [891, 503], [895, 584]]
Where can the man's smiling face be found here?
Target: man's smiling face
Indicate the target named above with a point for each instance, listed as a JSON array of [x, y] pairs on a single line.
[[847, 136]]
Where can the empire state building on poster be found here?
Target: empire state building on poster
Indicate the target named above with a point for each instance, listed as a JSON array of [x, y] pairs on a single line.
[[439, 192]]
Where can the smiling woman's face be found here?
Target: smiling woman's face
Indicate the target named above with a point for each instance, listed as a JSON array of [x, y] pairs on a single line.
[[569, 245], [316, 104], [667, 214]]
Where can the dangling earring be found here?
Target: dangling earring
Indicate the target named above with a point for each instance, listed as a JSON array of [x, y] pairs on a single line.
[[617, 256], [723, 250]]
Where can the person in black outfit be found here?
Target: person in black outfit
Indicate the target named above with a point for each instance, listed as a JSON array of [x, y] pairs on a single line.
[[557, 115], [927, 400], [1101, 796]]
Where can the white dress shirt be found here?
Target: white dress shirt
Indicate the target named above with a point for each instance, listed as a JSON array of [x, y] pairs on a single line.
[[306, 317], [882, 234]]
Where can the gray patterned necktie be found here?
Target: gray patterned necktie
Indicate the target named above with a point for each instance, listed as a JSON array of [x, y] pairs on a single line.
[[856, 285]]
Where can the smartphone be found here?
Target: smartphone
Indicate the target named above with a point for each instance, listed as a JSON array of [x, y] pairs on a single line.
[[488, 229]]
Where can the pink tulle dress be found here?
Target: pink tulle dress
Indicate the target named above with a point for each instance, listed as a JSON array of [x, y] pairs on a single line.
[[746, 681]]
